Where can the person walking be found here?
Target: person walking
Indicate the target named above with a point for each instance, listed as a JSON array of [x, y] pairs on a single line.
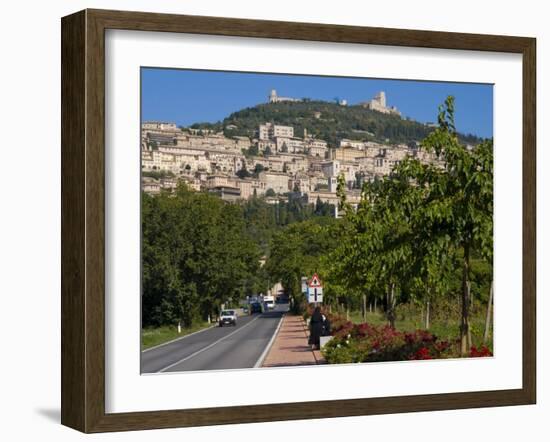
[[315, 328]]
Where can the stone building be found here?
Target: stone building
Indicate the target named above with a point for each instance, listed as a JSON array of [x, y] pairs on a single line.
[[158, 125], [150, 185], [226, 193], [289, 145], [268, 131], [346, 154], [274, 98], [217, 180], [264, 145], [277, 181], [378, 103]]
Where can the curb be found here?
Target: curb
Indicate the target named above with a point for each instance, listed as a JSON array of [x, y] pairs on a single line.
[[264, 354]]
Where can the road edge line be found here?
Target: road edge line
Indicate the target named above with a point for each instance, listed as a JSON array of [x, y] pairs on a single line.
[[262, 357], [178, 339], [207, 347]]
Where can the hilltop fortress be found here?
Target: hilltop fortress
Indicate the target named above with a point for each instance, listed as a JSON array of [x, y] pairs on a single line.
[[274, 98], [377, 103]]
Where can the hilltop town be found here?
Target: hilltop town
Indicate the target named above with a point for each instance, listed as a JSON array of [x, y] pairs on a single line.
[[272, 163]]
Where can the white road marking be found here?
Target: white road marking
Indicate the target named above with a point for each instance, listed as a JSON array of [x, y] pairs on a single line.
[[207, 347], [269, 344], [177, 339]]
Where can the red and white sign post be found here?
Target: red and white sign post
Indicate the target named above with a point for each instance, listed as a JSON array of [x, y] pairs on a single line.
[[314, 290]]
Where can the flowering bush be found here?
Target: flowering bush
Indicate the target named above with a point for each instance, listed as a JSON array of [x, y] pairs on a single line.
[[481, 352], [366, 342], [346, 350], [369, 343], [341, 327], [422, 353]]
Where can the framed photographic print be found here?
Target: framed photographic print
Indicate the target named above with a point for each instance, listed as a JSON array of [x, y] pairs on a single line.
[[266, 221]]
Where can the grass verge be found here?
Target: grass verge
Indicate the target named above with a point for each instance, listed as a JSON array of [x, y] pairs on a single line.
[[151, 337]]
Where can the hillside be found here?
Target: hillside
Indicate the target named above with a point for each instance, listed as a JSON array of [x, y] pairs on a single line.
[[332, 124]]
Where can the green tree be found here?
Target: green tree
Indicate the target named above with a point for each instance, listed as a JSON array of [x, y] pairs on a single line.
[[243, 172], [323, 208], [196, 254], [411, 226], [380, 251], [258, 168], [462, 201], [252, 151], [297, 251]]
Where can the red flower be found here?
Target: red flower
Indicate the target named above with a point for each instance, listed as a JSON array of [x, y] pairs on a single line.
[[482, 352], [422, 353]]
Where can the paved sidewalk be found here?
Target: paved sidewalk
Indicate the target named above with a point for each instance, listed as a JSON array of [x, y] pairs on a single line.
[[290, 347]]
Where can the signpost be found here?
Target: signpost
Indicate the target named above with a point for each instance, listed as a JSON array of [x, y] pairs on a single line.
[[314, 290]]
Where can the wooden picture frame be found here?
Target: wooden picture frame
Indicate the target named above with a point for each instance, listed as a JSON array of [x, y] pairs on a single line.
[[83, 219]]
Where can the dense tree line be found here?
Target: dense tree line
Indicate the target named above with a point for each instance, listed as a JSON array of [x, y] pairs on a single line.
[[196, 255], [199, 252]]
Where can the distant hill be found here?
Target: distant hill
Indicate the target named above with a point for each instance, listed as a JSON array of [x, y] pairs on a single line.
[[332, 124]]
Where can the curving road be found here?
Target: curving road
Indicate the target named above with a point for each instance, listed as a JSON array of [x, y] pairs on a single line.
[[216, 348]]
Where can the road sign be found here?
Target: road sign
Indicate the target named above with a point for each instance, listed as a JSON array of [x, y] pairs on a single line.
[[315, 281], [314, 290], [304, 284]]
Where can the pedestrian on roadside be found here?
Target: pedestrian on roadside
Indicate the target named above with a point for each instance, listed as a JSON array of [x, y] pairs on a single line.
[[315, 328]]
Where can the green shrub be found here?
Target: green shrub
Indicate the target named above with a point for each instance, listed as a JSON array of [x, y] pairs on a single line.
[[345, 351]]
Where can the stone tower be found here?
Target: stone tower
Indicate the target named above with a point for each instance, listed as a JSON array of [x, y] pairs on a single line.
[[381, 98]]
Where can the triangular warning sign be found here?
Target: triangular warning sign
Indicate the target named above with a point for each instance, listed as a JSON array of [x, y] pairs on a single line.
[[315, 281]]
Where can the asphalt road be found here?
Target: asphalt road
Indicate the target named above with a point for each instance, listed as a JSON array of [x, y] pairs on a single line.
[[216, 348]]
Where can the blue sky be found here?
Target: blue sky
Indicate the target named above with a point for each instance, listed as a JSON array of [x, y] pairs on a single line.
[[191, 96]]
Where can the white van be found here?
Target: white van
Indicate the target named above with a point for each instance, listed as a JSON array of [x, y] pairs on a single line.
[[269, 302]]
